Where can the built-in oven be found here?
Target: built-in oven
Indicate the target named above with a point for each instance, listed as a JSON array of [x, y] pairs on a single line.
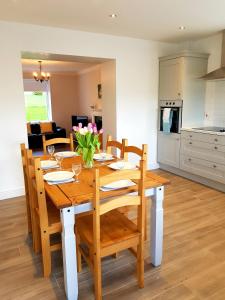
[[174, 108]]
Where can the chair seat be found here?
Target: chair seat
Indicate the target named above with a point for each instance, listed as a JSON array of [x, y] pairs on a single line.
[[115, 227]]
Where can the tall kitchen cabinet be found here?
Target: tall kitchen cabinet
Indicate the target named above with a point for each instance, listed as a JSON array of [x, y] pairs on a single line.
[[179, 79]]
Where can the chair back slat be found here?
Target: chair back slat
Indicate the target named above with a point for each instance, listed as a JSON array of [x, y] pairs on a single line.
[[140, 152], [115, 144], [119, 175], [118, 202], [102, 206], [57, 141]]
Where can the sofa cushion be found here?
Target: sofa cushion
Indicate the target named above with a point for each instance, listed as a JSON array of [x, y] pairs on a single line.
[[54, 128], [35, 128], [46, 127]]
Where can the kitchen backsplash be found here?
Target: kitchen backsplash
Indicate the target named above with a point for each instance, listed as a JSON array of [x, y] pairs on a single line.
[[215, 103]]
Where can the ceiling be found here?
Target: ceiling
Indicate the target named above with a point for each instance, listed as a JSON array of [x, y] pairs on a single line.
[[53, 66], [147, 19]]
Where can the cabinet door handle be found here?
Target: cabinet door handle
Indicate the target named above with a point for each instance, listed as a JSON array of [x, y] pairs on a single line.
[[189, 159], [190, 143], [216, 140], [190, 136], [178, 94], [214, 166], [215, 148]]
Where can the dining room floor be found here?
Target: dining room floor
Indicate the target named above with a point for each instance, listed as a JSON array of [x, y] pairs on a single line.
[[193, 258]]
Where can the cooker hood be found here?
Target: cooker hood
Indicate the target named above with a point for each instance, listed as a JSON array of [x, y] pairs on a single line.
[[218, 73]]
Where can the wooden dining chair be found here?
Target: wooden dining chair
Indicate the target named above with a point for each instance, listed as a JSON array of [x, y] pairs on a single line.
[[107, 230], [25, 176], [57, 141], [143, 154], [110, 144], [46, 215]]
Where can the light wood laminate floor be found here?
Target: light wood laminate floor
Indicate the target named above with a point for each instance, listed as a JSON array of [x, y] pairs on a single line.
[[193, 260]]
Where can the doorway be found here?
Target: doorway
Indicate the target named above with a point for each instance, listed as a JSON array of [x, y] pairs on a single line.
[[78, 86]]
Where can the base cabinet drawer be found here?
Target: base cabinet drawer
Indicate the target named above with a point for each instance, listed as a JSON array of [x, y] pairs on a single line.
[[204, 168], [204, 137], [202, 150]]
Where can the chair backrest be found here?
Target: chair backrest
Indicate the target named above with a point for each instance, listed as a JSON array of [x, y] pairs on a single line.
[[25, 176], [141, 152], [57, 141], [102, 206], [24, 163], [115, 144], [36, 184]]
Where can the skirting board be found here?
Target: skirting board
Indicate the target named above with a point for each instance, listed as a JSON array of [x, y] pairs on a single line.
[[210, 183], [7, 194], [153, 166]]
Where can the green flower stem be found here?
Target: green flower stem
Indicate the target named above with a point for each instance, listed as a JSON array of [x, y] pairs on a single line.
[[87, 145]]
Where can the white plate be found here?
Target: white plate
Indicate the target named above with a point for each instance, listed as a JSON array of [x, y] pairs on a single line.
[[61, 182], [117, 185], [48, 164], [103, 156], [122, 165], [58, 176], [66, 154]]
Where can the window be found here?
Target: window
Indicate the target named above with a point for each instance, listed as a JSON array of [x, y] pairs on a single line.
[[37, 102]]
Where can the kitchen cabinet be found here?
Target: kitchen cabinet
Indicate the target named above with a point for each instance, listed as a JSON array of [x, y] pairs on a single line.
[[179, 80], [170, 80], [203, 154], [169, 149]]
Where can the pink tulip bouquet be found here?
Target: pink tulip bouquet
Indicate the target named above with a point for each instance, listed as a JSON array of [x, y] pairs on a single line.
[[88, 142]]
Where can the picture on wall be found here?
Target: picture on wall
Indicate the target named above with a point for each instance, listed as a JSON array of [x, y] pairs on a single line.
[[99, 91]]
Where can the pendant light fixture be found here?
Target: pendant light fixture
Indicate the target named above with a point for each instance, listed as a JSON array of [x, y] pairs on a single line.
[[41, 76]]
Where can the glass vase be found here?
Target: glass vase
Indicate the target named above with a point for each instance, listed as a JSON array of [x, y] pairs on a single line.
[[88, 158]]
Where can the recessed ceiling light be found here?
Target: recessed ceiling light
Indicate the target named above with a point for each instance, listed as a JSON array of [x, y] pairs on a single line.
[[182, 27], [113, 16]]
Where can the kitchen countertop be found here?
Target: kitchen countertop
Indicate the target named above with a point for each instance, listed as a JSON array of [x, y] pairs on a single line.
[[203, 131]]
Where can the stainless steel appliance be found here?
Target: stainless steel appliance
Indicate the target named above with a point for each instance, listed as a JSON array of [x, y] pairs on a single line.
[[176, 108]]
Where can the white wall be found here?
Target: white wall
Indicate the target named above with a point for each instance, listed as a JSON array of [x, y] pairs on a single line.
[[87, 82], [136, 87], [64, 99], [109, 110], [31, 84], [215, 90]]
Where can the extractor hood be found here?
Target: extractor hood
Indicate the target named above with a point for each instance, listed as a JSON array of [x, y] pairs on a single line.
[[218, 73]]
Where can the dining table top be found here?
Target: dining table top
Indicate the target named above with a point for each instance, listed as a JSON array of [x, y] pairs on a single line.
[[75, 193]]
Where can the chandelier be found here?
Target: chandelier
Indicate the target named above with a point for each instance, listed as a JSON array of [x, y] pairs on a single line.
[[41, 76]]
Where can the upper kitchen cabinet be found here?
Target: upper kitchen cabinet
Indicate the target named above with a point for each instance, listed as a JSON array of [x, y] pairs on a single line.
[[170, 82], [179, 79]]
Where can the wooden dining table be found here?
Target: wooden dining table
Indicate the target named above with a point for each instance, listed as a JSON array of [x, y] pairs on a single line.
[[75, 198]]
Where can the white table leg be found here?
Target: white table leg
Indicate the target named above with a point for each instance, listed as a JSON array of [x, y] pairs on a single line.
[[156, 238], [69, 253]]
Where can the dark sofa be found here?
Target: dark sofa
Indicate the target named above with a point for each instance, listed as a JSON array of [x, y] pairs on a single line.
[[37, 130]]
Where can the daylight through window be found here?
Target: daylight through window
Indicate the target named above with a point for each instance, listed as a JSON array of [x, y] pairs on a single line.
[[37, 102]]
